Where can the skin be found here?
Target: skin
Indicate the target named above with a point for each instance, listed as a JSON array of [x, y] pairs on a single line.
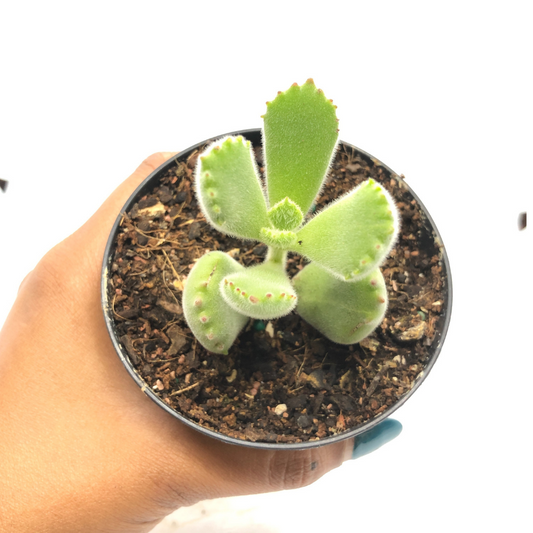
[[81, 448]]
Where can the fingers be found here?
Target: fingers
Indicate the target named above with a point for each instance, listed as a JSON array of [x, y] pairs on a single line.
[[223, 470], [289, 470], [232, 470], [298, 469], [263, 471], [376, 437]]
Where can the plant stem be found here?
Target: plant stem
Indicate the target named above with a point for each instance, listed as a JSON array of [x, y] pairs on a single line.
[[277, 256]]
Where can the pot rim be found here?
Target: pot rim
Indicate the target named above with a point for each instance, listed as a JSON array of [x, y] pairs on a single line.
[[436, 347]]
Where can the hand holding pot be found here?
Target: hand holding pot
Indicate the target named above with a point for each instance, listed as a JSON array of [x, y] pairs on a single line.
[[81, 448]]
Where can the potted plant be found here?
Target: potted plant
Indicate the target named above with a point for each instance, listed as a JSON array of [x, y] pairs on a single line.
[[246, 290]]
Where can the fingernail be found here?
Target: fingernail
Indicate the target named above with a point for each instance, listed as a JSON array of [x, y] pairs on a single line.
[[376, 437]]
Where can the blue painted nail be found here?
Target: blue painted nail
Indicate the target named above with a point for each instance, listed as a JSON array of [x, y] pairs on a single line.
[[376, 437]]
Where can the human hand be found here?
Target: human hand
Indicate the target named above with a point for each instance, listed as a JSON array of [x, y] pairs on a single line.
[[81, 448]]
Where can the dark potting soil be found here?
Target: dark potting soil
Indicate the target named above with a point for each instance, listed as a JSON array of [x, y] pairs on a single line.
[[282, 381]]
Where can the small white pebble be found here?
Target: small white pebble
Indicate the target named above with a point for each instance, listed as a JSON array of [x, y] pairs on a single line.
[[270, 329], [280, 409], [156, 210], [232, 376], [400, 359]]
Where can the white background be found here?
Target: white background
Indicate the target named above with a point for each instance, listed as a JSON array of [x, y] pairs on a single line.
[[440, 91]]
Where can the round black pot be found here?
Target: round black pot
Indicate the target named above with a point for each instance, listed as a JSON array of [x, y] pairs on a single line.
[[254, 135]]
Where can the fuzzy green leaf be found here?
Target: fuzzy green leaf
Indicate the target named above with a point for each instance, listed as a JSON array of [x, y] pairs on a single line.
[[277, 238], [262, 292], [300, 135], [285, 215], [352, 236], [213, 322], [345, 312], [229, 190]]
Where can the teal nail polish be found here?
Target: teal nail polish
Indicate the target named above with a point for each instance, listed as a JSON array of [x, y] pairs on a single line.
[[376, 437]]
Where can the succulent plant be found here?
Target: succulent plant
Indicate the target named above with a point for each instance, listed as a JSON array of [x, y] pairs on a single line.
[[341, 292]]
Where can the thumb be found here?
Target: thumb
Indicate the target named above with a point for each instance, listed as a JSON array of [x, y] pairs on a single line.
[[90, 239], [100, 224]]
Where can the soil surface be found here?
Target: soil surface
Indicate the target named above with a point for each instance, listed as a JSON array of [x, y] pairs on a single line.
[[282, 380]]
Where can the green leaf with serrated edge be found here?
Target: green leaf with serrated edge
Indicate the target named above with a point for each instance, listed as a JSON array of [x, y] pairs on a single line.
[[352, 236], [229, 190], [262, 292], [285, 215], [213, 322], [345, 312], [277, 238], [299, 138]]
